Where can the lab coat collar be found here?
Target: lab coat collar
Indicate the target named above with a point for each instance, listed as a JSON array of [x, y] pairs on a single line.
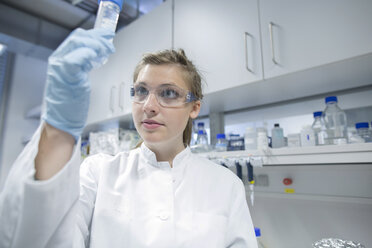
[[150, 157]]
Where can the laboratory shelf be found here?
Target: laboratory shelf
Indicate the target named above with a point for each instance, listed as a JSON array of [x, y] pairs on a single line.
[[330, 154]]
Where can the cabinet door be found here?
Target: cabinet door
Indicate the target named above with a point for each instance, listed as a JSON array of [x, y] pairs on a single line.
[[150, 33], [111, 84], [103, 86], [222, 39], [302, 34]]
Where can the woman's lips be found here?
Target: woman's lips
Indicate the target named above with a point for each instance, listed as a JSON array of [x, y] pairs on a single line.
[[150, 124]]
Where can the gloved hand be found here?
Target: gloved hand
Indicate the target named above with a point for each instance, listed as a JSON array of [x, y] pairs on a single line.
[[67, 88]]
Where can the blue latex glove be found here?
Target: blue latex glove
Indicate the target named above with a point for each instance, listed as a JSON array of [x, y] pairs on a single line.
[[67, 88]]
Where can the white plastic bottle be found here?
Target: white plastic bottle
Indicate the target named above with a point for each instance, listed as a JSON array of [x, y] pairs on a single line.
[[250, 138], [335, 121], [320, 130], [307, 136], [262, 140], [107, 18], [277, 137]]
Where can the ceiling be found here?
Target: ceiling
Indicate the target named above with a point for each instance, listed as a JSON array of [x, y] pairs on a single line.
[[37, 27]]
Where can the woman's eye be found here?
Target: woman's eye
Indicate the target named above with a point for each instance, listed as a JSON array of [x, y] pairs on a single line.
[[170, 93], [140, 90]]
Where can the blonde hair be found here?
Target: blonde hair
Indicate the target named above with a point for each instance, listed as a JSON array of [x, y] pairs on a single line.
[[191, 76]]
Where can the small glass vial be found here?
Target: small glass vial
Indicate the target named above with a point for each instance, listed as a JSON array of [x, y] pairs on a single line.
[[108, 14], [221, 145], [107, 18], [363, 131]]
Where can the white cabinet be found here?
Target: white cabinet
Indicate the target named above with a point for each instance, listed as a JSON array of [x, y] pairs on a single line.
[[283, 37], [110, 96], [222, 38], [302, 34]]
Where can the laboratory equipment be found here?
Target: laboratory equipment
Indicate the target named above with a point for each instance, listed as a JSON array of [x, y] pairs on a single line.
[[335, 121], [221, 144], [294, 140], [307, 136], [258, 237], [250, 138], [262, 140], [202, 127], [363, 131], [194, 135], [201, 142], [107, 18], [235, 143], [277, 136], [320, 130], [250, 181], [108, 14], [336, 243]]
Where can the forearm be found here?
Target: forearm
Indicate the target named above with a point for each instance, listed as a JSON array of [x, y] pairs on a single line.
[[55, 150]]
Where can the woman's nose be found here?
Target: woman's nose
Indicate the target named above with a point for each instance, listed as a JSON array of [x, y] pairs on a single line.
[[151, 104]]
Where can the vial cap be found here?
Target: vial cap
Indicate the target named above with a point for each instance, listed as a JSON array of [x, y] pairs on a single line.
[[118, 2], [257, 231], [331, 99], [317, 113], [361, 125], [221, 136], [276, 125], [200, 124]]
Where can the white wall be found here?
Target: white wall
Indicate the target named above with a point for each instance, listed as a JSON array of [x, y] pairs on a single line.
[[26, 91]]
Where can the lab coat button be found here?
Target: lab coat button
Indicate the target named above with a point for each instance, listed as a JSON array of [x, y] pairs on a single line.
[[163, 216]]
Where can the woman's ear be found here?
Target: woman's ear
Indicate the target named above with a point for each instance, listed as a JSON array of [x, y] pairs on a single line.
[[195, 109]]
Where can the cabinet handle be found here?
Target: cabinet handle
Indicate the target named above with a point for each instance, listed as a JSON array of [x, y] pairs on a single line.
[[121, 95], [112, 98], [246, 34], [271, 24]]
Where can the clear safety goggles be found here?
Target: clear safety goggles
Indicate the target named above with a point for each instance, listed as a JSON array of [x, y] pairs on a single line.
[[167, 95]]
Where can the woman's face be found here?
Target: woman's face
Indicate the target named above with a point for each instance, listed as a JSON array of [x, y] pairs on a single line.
[[158, 125]]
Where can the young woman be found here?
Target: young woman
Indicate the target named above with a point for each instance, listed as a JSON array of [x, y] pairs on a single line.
[[157, 195]]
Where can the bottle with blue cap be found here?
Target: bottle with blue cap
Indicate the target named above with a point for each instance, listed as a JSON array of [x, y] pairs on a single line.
[[221, 144], [335, 122], [108, 16], [363, 131], [320, 130], [258, 237]]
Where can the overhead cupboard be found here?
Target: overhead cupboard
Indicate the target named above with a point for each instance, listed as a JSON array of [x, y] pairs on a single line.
[[242, 41], [246, 50]]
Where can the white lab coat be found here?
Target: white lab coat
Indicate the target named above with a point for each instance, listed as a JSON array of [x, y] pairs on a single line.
[[127, 200]]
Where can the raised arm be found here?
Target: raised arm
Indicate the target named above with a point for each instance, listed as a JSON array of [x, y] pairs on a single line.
[[39, 202], [67, 97]]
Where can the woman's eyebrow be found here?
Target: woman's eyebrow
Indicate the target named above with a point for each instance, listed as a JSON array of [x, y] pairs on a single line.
[[139, 83]]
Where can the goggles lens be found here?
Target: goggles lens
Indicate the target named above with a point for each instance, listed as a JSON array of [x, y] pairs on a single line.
[[167, 95]]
